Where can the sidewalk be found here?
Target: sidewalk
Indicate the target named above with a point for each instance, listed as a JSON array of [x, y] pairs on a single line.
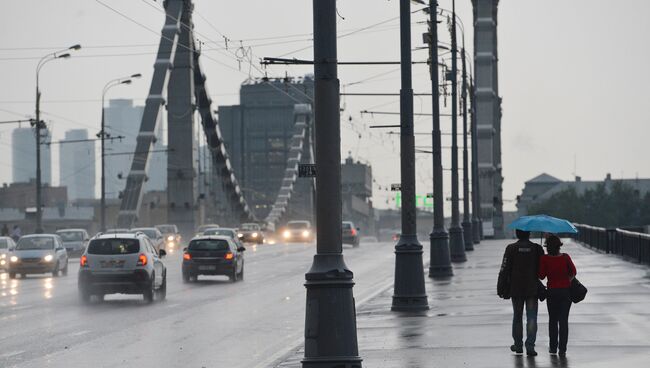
[[469, 326]]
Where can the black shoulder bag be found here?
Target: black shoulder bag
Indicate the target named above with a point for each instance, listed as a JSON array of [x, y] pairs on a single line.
[[577, 291]]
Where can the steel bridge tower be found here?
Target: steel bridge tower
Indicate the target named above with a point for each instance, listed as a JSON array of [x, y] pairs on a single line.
[[488, 115]]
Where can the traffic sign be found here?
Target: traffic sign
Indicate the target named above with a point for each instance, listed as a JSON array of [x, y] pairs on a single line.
[[306, 170], [395, 187]]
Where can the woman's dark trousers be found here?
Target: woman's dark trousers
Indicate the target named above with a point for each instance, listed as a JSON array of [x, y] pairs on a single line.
[[558, 304]]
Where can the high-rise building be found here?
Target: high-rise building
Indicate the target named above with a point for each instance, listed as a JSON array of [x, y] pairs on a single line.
[[122, 118], [257, 134], [77, 165], [24, 156]]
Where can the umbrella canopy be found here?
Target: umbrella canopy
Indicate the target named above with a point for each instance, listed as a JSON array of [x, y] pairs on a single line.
[[544, 223]]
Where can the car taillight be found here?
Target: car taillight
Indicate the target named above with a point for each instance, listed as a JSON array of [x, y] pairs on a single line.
[[83, 261], [142, 260], [354, 232], [229, 255], [187, 256]]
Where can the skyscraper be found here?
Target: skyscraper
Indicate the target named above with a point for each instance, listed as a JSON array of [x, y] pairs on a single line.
[[122, 118], [24, 156], [77, 165]]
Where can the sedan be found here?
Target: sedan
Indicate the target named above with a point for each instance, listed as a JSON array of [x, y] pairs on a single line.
[[213, 255], [6, 246], [38, 253], [74, 240]]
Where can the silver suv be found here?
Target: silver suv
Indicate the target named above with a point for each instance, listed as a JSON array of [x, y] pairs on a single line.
[[125, 263]]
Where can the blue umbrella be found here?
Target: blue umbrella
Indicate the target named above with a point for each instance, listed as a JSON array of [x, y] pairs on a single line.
[[543, 223]]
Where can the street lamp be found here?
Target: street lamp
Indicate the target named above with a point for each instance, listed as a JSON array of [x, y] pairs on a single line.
[[38, 125], [102, 135]]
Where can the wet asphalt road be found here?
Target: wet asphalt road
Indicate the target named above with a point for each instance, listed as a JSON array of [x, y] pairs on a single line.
[[211, 323]]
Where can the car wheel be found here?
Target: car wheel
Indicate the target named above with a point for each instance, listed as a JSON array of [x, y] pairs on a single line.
[[241, 273], [148, 294], [12, 275], [64, 271], [162, 290], [84, 296], [186, 277], [355, 244], [55, 273], [100, 298], [23, 276], [233, 274]]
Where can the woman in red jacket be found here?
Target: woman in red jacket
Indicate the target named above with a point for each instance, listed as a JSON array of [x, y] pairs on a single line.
[[560, 270]]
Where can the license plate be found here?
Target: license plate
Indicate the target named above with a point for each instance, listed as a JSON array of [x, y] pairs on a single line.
[[111, 264], [207, 268]]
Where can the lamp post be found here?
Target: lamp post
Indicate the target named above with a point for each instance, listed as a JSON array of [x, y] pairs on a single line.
[[467, 222], [440, 265], [38, 125], [330, 316], [456, 242], [102, 136], [409, 293]]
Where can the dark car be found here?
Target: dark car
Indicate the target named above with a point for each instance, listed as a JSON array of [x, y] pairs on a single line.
[[213, 255], [251, 233], [350, 233]]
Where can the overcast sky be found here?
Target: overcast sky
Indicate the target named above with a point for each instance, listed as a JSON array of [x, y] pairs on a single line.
[[573, 75]]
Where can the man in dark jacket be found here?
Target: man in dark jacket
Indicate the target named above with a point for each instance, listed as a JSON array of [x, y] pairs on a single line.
[[518, 281]]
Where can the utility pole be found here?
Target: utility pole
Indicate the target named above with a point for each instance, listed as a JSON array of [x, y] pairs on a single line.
[[409, 293], [330, 321], [456, 243], [440, 265], [467, 224]]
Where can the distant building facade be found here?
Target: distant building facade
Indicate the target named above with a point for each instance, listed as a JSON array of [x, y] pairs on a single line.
[[122, 118], [23, 149], [356, 188], [543, 186], [257, 135], [77, 165], [23, 196]]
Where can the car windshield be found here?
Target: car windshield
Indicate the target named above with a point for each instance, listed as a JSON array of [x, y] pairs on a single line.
[[69, 236], [35, 243], [114, 246], [250, 227], [166, 229], [222, 232], [203, 228], [151, 233], [298, 225], [347, 225], [4, 244], [208, 244]]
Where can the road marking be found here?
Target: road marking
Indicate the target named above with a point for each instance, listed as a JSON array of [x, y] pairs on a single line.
[[11, 353]]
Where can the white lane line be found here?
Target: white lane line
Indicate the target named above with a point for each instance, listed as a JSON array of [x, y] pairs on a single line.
[[11, 353]]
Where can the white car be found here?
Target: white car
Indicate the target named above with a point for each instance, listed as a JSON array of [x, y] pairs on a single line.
[[38, 253], [124, 263], [154, 235], [6, 246]]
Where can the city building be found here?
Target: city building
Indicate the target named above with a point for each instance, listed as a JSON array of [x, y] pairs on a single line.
[[23, 148], [543, 186], [257, 135], [22, 196], [122, 118], [77, 165], [356, 190]]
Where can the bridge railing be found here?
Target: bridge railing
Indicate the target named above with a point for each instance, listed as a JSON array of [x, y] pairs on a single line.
[[628, 244]]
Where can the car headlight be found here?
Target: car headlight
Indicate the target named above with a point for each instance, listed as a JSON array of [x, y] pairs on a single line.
[[254, 235], [240, 235], [305, 233], [286, 234], [48, 258], [13, 259], [170, 238], [3, 256]]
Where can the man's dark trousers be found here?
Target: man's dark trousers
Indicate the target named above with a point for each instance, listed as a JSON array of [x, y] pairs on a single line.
[[518, 304]]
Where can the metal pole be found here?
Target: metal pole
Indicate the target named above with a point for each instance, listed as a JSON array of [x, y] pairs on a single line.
[[39, 199], [330, 321], [456, 243], [409, 293], [103, 199], [467, 223], [476, 203], [440, 265]]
